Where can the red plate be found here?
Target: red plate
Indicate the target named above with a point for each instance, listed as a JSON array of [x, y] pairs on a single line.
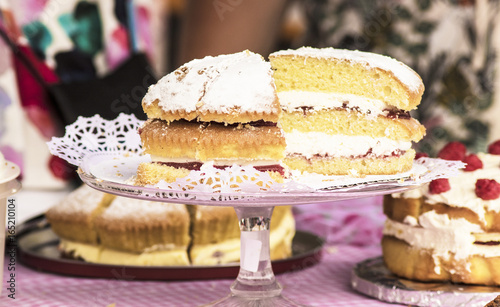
[[37, 246]]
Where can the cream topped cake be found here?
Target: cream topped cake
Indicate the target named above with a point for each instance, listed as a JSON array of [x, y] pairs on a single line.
[[223, 110], [347, 112], [450, 228]]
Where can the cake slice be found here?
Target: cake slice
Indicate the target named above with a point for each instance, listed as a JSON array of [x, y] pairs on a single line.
[[347, 112], [140, 232], [223, 110], [74, 217]]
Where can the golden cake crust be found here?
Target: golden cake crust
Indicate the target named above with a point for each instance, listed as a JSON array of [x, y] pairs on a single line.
[[420, 264], [241, 142], [351, 77], [341, 122], [345, 166], [153, 110], [177, 139], [162, 226], [213, 224], [212, 141], [152, 173]]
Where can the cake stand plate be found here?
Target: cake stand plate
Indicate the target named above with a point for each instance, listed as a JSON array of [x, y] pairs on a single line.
[[371, 277], [38, 248], [113, 173]]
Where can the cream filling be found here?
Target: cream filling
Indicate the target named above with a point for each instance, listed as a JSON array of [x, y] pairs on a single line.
[[217, 162], [442, 235], [292, 100], [309, 144], [100, 254], [462, 192]]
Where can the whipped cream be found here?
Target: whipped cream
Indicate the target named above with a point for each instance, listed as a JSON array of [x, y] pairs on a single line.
[[309, 144], [291, 100], [462, 193], [240, 82], [442, 235]]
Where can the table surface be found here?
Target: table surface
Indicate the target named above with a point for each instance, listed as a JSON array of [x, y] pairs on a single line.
[[352, 230], [325, 284]]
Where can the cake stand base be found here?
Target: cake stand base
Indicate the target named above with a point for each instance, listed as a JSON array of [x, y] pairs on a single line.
[[239, 301], [372, 278]]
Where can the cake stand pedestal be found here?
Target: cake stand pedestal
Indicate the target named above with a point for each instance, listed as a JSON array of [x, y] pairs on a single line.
[[256, 284]]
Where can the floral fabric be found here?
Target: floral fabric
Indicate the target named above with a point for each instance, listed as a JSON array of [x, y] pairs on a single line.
[[67, 41]]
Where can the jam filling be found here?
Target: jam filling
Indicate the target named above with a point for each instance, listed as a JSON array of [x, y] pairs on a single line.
[[369, 154], [259, 123], [70, 255], [489, 243], [195, 166], [389, 113]]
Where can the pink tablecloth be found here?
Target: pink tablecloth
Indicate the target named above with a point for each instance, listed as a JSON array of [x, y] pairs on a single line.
[[325, 284]]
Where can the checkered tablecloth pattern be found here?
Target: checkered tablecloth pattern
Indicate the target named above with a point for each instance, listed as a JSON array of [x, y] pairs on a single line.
[[325, 284]]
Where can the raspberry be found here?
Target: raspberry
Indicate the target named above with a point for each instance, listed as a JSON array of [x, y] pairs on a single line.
[[455, 151], [421, 155], [438, 186], [473, 163], [494, 148], [487, 189]]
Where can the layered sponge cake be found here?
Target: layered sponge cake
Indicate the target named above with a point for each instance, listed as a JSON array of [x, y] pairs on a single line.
[[324, 111], [347, 112], [97, 227], [448, 230], [222, 110]]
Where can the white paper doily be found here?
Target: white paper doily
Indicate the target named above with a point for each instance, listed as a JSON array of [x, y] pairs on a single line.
[[95, 134], [90, 137]]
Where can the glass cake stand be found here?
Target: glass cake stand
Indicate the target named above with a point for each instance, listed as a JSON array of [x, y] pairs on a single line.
[[256, 284]]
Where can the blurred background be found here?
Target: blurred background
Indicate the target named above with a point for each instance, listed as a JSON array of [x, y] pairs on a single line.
[[60, 59]]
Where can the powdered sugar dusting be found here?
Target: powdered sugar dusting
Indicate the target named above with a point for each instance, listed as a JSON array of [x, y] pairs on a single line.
[[83, 200], [140, 209], [224, 84], [401, 71]]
